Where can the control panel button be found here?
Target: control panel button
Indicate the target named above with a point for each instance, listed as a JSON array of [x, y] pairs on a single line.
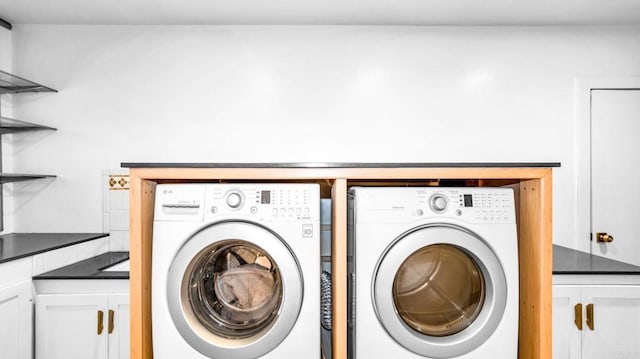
[[438, 203], [307, 230], [234, 200]]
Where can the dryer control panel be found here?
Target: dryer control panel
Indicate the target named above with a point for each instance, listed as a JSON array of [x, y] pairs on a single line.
[[494, 206], [470, 204]]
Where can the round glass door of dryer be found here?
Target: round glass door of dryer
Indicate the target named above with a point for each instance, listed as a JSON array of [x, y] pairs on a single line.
[[234, 290], [427, 291], [439, 290]]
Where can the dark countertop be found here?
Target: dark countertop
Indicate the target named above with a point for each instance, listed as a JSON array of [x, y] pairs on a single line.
[[570, 261], [90, 268], [337, 165], [19, 245]]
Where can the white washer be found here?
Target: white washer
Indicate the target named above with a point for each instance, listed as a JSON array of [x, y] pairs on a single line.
[[436, 273], [236, 271]]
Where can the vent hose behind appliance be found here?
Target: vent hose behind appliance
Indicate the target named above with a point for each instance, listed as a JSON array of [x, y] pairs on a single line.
[[325, 300]]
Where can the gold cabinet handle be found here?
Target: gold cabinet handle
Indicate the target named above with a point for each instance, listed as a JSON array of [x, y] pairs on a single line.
[[577, 309], [111, 315], [100, 322], [590, 322], [603, 237]]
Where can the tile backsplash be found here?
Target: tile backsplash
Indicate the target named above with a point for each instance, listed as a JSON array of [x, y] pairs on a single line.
[[118, 182], [115, 208]]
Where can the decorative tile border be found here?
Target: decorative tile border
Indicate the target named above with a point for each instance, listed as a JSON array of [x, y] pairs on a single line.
[[118, 182]]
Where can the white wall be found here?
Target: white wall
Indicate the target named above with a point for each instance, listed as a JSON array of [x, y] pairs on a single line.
[[6, 47], [280, 94]]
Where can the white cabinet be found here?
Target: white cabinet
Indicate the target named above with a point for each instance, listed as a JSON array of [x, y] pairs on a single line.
[[16, 315], [17, 295], [81, 324], [615, 328], [596, 321], [119, 338], [16, 310], [566, 335], [70, 326]]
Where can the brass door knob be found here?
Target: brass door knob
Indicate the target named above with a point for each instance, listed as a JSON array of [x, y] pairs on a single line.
[[603, 237]]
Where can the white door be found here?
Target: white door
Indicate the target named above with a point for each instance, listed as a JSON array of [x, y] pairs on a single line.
[[615, 173], [567, 323], [614, 329], [118, 326], [15, 321], [71, 326]]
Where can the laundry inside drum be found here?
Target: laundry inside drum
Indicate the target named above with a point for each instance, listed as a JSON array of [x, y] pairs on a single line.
[[439, 290], [234, 289], [246, 291]]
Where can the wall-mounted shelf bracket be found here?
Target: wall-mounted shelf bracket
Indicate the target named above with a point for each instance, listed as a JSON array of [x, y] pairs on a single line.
[[7, 25], [19, 177], [10, 83], [10, 125]]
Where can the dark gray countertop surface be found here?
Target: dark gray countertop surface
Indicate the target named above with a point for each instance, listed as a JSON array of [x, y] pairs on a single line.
[[91, 268], [19, 245], [335, 164], [570, 261]]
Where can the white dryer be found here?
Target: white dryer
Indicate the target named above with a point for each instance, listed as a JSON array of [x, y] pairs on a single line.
[[236, 271], [436, 273]]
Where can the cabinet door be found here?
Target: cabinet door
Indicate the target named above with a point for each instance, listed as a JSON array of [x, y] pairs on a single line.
[[68, 326], [566, 333], [119, 335], [16, 313], [616, 322]]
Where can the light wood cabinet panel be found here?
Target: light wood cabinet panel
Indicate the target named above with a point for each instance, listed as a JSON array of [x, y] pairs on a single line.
[[534, 201]]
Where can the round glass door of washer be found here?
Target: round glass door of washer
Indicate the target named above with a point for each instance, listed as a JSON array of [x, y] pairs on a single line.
[[234, 290], [439, 291]]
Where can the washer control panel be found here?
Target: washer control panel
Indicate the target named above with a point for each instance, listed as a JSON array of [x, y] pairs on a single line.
[[269, 201]]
